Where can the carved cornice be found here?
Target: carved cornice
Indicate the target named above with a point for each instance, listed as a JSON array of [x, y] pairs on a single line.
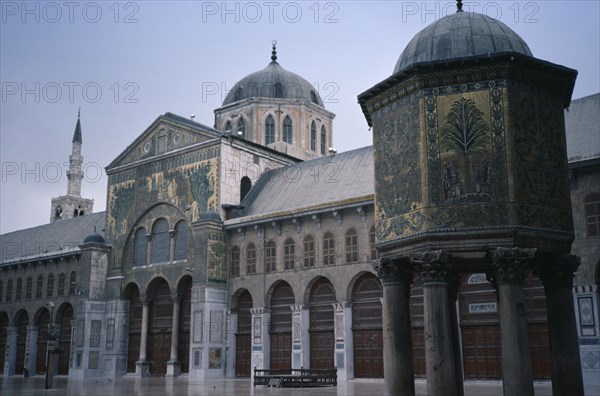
[[398, 270], [510, 265], [434, 266], [558, 270]]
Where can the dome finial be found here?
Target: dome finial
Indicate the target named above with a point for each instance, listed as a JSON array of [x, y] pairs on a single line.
[[459, 6], [79, 112], [274, 52]]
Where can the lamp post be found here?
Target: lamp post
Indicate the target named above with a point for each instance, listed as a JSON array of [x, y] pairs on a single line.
[[52, 335]]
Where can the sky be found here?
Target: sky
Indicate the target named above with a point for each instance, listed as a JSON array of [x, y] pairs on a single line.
[[126, 63]]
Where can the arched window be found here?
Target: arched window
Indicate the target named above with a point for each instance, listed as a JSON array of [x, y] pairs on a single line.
[[270, 257], [313, 136], [309, 251], [289, 253], [39, 285], [251, 259], [351, 246], [241, 127], [1, 290], [323, 140], [160, 242], [328, 249], [61, 284], [140, 250], [245, 187], [228, 126], [9, 290], [181, 241], [592, 214], [287, 130], [235, 261], [19, 291], [313, 97], [72, 282], [50, 286], [372, 243], [269, 130], [28, 288]]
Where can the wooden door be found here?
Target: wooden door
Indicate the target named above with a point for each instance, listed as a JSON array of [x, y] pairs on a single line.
[[42, 342], [322, 341], [160, 325], [243, 352], [281, 327], [134, 330], [65, 318], [367, 327], [22, 323], [183, 349]]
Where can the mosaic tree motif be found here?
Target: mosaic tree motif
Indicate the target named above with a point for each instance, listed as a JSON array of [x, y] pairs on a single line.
[[465, 132]]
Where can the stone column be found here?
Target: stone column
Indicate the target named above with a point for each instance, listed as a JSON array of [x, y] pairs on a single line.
[[31, 350], [10, 356], [435, 268], [300, 337], [173, 365], [148, 248], [261, 343], [396, 278], [142, 365], [453, 286], [509, 268], [557, 272], [172, 234]]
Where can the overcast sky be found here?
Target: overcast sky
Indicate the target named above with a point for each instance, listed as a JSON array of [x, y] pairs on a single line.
[[127, 63]]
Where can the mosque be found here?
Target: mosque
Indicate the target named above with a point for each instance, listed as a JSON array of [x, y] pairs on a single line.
[[462, 245]]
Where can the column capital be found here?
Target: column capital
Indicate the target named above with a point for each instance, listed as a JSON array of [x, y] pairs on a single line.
[[510, 265], [175, 297], [399, 270], [145, 300], [259, 311], [558, 270], [433, 265]]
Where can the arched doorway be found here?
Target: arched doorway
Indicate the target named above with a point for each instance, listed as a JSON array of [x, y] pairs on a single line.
[[281, 327], [22, 321], [160, 325], [134, 327], [65, 317], [367, 327], [185, 309], [42, 321], [243, 335], [3, 335], [321, 330]]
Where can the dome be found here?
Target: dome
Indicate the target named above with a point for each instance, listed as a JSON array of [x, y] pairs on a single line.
[[461, 35], [273, 82], [94, 238]]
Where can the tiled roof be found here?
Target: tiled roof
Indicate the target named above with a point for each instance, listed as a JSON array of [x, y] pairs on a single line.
[[582, 122], [49, 239], [342, 179]]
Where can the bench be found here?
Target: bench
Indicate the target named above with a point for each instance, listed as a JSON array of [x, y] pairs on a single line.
[[295, 378]]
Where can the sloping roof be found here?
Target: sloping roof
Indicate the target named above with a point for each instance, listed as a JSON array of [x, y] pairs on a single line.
[[46, 240], [338, 180], [582, 123]]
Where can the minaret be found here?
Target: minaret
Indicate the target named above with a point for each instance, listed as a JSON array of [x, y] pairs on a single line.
[[75, 174], [72, 205]]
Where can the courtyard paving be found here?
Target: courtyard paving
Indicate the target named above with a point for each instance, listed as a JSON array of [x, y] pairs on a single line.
[[182, 386]]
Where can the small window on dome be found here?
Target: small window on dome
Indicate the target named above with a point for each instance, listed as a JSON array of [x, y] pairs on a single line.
[[323, 140], [269, 130], [313, 97], [287, 130], [228, 126], [238, 94], [278, 90], [241, 127]]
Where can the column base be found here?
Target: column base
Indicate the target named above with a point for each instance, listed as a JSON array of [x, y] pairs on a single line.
[[173, 368], [142, 368]]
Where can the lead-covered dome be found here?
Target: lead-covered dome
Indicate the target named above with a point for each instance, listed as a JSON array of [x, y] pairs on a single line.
[[461, 35], [273, 82]]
